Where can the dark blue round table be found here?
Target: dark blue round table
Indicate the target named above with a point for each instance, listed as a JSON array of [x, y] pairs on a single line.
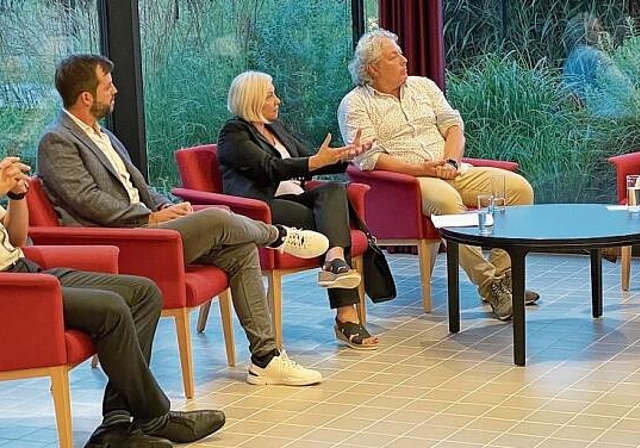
[[549, 227]]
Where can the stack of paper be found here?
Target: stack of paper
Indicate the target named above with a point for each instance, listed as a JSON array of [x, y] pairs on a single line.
[[459, 220]]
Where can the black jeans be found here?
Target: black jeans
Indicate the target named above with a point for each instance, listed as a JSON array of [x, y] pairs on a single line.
[[326, 210], [121, 314]]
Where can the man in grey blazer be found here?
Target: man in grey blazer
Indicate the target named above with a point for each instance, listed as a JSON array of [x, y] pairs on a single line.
[[89, 177]]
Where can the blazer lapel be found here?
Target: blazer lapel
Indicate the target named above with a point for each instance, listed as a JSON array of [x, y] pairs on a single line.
[[68, 123], [284, 137]]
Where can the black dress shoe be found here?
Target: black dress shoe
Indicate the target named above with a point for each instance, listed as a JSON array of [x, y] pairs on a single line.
[[185, 427], [122, 435]]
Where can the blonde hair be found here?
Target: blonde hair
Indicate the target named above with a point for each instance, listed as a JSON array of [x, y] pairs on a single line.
[[368, 51], [248, 94]]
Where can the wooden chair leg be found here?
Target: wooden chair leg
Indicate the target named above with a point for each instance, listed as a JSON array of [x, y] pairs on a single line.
[[275, 302], [625, 256], [62, 403], [427, 252], [224, 300], [183, 331], [361, 307], [203, 315]]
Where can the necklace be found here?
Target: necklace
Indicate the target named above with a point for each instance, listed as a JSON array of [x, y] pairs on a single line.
[[267, 134]]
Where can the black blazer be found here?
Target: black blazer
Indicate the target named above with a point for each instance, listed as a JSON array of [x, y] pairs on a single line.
[[251, 167]]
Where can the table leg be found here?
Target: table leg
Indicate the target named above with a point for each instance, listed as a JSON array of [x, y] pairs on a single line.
[[453, 286], [596, 282], [517, 296]]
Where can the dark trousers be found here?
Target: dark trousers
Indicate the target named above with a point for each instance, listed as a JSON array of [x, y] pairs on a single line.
[[324, 209], [121, 314]]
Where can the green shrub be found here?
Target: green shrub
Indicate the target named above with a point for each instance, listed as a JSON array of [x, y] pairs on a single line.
[[189, 63], [516, 113]]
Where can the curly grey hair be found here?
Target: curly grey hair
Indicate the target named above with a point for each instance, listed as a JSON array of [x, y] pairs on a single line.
[[368, 51]]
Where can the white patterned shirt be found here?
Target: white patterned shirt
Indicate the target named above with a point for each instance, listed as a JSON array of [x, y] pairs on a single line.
[[410, 128], [8, 253]]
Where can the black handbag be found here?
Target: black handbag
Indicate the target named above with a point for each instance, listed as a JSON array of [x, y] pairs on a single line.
[[378, 280]]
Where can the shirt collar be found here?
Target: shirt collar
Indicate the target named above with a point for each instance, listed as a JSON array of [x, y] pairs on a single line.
[[84, 126], [371, 91]]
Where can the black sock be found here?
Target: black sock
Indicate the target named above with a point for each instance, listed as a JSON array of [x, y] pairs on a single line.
[[148, 426], [263, 361], [115, 418], [282, 234]]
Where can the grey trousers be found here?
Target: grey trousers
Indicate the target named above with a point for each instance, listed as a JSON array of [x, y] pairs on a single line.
[[229, 241], [121, 314]]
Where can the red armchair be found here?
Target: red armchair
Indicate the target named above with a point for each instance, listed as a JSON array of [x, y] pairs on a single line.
[[202, 184], [625, 164], [398, 195], [33, 340], [153, 253]]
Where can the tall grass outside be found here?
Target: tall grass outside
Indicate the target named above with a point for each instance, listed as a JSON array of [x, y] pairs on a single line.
[[503, 61], [504, 75]]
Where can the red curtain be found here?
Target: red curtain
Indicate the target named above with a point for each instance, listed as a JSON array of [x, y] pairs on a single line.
[[419, 26]]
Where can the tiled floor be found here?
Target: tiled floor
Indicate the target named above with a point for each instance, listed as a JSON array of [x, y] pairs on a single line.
[[423, 388]]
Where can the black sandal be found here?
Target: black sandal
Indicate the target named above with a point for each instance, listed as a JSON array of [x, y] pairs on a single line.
[[337, 274], [353, 335]]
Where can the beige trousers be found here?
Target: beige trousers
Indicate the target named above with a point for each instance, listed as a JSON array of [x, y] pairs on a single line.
[[453, 196]]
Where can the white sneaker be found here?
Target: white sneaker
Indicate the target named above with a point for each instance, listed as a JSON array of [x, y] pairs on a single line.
[[282, 370], [303, 243]]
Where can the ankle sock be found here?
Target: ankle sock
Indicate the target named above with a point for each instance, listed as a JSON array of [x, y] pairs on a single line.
[[282, 234], [153, 424], [115, 418], [263, 361]]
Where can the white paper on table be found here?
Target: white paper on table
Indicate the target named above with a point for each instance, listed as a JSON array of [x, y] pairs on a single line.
[[617, 207], [459, 220]]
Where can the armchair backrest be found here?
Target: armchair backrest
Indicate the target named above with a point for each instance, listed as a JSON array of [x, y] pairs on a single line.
[[41, 212], [199, 168]]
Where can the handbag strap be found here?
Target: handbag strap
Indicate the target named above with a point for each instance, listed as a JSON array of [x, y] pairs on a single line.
[[359, 223]]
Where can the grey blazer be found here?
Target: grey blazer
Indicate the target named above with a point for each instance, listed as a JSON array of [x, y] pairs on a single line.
[[83, 185]]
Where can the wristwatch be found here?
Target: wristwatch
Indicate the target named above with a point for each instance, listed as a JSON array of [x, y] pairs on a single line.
[[453, 163], [16, 196]]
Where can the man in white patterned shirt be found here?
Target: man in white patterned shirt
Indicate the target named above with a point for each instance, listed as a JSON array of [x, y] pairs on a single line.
[[417, 132]]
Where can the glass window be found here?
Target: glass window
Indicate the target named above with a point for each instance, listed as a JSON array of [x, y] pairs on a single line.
[[34, 36], [551, 85], [193, 49]]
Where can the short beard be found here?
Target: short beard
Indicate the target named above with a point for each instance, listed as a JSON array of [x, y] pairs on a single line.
[[100, 110]]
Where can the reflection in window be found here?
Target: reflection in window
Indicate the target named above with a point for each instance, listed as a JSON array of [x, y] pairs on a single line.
[[34, 36], [504, 62], [193, 49]]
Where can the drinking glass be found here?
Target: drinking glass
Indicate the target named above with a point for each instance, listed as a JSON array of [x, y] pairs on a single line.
[[498, 188], [633, 193], [485, 210]]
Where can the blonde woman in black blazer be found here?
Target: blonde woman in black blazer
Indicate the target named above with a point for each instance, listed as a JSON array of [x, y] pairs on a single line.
[[260, 159]]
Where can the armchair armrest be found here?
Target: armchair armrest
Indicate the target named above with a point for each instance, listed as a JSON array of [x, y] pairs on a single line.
[[253, 208], [153, 253], [197, 208], [31, 321], [625, 164], [96, 258], [393, 198]]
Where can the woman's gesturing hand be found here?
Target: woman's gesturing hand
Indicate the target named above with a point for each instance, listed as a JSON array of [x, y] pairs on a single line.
[[327, 155]]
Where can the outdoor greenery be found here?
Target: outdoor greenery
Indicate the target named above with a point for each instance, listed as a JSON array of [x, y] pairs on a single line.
[[191, 59], [504, 63], [504, 75], [34, 35]]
